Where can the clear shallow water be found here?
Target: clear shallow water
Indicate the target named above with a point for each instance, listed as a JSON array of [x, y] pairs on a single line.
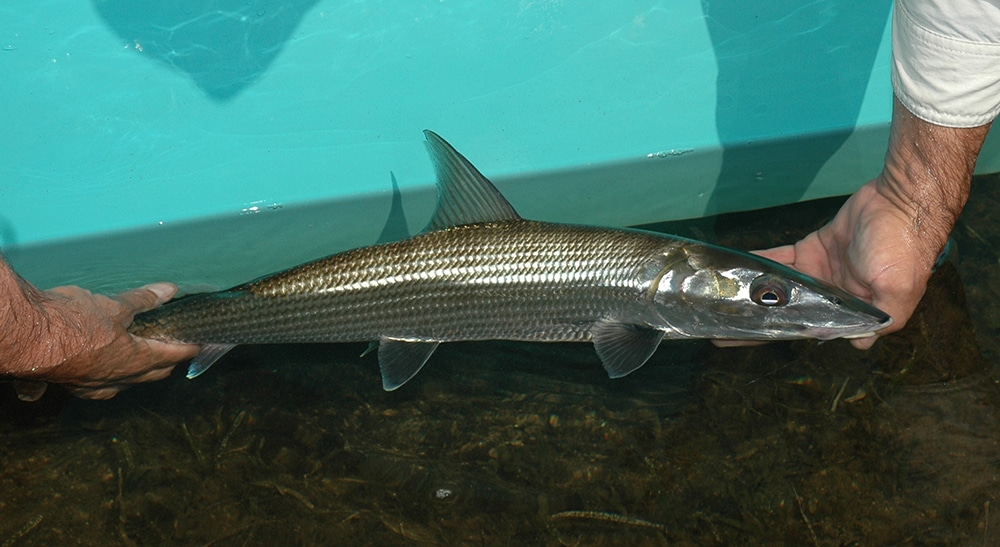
[[529, 444]]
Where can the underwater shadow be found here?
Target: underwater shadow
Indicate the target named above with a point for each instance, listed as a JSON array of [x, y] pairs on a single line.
[[834, 43], [224, 46], [8, 235], [395, 227]]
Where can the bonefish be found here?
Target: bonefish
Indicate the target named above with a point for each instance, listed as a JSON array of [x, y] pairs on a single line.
[[481, 272]]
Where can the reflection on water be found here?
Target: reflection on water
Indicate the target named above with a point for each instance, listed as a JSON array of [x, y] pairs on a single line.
[[529, 444]]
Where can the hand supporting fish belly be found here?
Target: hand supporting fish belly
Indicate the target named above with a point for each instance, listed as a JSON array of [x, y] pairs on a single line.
[[481, 272]]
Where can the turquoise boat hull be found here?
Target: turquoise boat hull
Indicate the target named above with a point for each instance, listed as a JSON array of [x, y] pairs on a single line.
[[208, 143]]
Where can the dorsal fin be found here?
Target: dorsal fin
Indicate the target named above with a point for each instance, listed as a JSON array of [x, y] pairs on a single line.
[[465, 196]]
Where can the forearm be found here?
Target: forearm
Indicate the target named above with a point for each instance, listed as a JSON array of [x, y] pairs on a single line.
[[927, 175], [66, 335], [22, 322]]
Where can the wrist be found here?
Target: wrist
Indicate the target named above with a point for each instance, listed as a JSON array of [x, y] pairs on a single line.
[[927, 175], [24, 346]]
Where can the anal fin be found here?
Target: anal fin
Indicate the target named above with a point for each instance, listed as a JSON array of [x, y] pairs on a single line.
[[400, 360], [623, 347], [210, 353]]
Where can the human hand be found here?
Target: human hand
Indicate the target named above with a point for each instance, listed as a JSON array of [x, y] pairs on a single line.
[[882, 244], [871, 249], [87, 348]]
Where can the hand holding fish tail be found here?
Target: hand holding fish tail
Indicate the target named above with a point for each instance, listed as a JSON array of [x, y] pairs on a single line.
[[69, 336]]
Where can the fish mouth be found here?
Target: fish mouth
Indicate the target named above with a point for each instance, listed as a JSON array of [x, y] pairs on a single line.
[[860, 331]]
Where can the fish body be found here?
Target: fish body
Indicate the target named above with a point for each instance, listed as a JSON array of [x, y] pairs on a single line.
[[481, 272]]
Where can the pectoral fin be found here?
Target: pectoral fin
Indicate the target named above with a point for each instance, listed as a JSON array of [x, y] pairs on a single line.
[[622, 347], [210, 353], [400, 360]]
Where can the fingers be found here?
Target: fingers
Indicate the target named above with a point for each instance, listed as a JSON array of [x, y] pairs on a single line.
[[102, 393], [105, 392], [148, 376], [171, 353], [145, 298], [155, 375], [784, 254], [70, 291], [864, 343], [29, 390], [899, 301], [164, 291]]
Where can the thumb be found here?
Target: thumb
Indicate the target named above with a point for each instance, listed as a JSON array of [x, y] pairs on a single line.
[[145, 298], [784, 254]]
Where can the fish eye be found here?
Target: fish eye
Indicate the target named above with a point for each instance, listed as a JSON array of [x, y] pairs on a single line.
[[769, 291]]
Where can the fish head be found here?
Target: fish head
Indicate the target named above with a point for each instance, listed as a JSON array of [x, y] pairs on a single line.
[[714, 292]]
